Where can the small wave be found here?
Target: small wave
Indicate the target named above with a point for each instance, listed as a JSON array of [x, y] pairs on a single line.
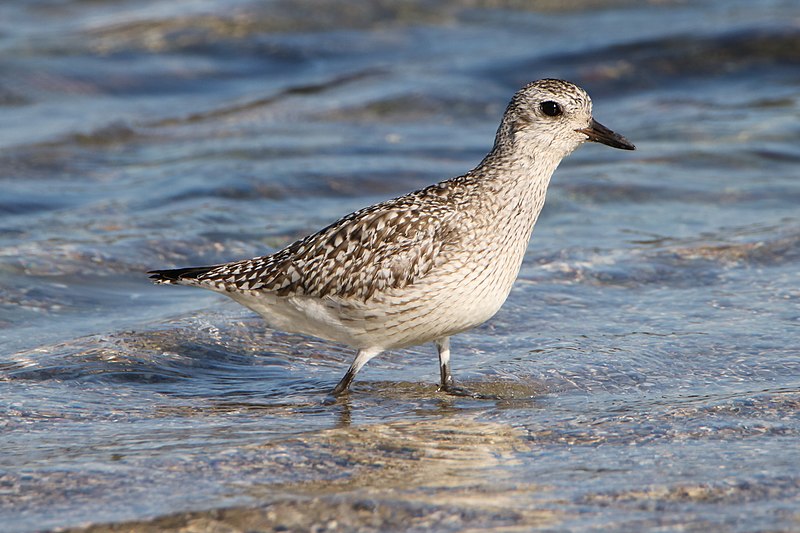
[[645, 64]]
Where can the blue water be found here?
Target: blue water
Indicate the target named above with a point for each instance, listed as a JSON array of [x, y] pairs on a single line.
[[647, 361]]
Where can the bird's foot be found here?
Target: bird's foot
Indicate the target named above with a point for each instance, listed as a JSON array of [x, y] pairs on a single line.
[[331, 399], [456, 390]]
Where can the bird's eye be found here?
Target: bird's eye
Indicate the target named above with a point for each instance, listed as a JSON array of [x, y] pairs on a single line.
[[551, 109]]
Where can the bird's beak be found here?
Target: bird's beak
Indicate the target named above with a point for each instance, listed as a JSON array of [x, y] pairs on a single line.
[[600, 134]]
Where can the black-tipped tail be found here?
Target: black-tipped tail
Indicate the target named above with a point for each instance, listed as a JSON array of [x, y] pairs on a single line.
[[179, 275]]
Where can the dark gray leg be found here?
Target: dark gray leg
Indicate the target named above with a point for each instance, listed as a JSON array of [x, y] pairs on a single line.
[[361, 359], [448, 384], [443, 346], [344, 383]]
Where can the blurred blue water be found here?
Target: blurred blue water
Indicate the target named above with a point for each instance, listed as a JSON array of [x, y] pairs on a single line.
[[648, 353]]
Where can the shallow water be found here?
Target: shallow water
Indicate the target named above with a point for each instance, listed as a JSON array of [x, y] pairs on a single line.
[[647, 361]]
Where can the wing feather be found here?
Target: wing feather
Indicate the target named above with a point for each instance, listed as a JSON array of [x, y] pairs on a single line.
[[386, 246]]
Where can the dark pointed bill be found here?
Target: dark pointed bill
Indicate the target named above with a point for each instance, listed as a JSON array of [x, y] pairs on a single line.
[[600, 134]]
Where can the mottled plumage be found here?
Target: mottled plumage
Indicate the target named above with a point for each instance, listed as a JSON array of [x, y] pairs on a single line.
[[426, 265], [388, 245]]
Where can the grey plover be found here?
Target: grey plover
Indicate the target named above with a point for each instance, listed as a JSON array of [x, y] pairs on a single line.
[[429, 264]]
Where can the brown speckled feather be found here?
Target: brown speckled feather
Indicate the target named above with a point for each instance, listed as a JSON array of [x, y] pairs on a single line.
[[388, 245]]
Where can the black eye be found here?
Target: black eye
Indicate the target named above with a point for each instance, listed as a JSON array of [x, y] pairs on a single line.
[[551, 109]]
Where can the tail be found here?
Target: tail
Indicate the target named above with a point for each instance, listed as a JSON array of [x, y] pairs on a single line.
[[180, 276]]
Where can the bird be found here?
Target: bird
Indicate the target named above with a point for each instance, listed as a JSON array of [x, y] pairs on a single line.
[[427, 265]]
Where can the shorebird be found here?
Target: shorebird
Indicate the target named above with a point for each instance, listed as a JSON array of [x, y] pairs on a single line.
[[427, 265]]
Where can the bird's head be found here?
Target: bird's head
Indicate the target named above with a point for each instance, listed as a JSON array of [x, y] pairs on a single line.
[[554, 116]]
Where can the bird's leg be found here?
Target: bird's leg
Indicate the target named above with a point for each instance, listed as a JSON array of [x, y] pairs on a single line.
[[361, 359], [443, 346], [344, 383], [448, 384]]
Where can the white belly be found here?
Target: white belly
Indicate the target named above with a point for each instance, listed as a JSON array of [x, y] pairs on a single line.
[[449, 300]]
